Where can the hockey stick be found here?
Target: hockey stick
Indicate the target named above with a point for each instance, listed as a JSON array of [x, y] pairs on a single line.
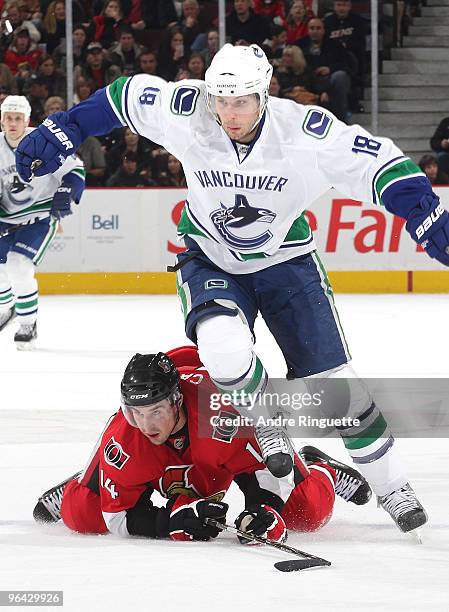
[[12, 229], [293, 565]]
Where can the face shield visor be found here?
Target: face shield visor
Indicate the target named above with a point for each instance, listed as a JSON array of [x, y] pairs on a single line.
[[157, 412]]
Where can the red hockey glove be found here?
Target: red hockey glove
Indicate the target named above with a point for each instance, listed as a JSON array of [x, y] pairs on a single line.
[[262, 521], [187, 518]]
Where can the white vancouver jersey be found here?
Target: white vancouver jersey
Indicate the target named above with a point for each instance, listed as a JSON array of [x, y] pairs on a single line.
[[247, 213], [21, 202]]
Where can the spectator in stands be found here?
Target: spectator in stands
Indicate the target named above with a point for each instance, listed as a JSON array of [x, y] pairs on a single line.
[[297, 21], [148, 63], [440, 144], [4, 93], [83, 89], [54, 24], [429, 165], [173, 176], [130, 142], [79, 13], [92, 155], [7, 80], [295, 78], [275, 46], [22, 51], [275, 87], [127, 175], [273, 10], [192, 23], [55, 79], [37, 96], [97, 67], [16, 16], [330, 67], [196, 66], [212, 44], [53, 104], [173, 54], [158, 14], [243, 25], [79, 43], [349, 30], [125, 53], [106, 27]]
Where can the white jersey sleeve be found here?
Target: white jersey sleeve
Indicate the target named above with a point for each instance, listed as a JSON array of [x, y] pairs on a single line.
[[356, 163], [162, 112]]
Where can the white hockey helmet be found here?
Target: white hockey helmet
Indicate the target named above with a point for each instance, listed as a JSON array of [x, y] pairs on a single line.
[[238, 71], [16, 104]]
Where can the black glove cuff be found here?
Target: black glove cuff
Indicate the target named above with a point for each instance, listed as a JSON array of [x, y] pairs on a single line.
[[162, 523]]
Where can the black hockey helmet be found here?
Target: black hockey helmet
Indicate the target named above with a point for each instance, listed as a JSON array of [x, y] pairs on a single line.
[[149, 379]]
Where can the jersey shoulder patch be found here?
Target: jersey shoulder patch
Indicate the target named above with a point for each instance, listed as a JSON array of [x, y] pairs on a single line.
[[184, 98], [317, 123]]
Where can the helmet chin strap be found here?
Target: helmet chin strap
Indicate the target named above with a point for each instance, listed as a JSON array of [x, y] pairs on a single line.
[[178, 415]]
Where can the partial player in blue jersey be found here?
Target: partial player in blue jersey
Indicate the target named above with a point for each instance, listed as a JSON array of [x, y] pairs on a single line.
[[29, 219], [253, 165]]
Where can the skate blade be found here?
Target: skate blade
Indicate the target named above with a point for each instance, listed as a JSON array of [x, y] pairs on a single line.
[[415, 536], [25, 346]]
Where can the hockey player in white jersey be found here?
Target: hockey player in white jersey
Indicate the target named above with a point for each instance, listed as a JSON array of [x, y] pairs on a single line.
[[253, 165], [29, 219]]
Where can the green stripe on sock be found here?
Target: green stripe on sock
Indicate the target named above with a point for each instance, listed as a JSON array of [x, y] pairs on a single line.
[[24, 305], [370, 435]]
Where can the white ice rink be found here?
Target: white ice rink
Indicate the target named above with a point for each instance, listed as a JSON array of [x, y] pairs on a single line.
[[55, 400]]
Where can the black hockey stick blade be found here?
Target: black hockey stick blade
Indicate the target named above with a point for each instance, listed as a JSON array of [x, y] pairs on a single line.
[[295, 565]]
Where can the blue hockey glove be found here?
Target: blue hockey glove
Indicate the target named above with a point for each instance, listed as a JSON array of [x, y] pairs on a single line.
[[428, 225], [61, 206], [45, 149]]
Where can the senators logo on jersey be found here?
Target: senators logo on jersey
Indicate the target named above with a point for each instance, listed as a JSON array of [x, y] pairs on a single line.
[[114, 454], [175, 481]]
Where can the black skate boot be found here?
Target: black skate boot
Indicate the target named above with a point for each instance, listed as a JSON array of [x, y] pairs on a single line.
[[25, 336], [6, 317], [276, 448], [350, 484], [404, 508], [48, 507]]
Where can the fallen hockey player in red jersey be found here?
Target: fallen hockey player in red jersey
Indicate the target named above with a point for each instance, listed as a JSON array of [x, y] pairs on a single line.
[[161, 440]]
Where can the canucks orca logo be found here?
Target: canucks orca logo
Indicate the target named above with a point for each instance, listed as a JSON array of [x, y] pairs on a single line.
[[242, 217], [17, 192]]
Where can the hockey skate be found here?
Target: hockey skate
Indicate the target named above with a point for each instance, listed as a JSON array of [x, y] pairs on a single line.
[[350, 484], [276, 448], [6, 317], [404, 508], [25, 336], [48, 507]]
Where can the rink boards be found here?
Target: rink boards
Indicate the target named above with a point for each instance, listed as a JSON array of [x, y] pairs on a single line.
[[121, 241]]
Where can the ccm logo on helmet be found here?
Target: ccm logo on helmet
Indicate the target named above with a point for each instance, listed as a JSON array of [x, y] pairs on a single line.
[[141, 396], [428, 221], [60, 135]]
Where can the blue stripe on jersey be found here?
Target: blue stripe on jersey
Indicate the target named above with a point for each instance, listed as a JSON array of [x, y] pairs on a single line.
[[125, 108], [94, 116]]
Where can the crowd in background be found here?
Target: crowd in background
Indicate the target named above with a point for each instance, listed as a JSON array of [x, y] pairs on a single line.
[[317, 48]]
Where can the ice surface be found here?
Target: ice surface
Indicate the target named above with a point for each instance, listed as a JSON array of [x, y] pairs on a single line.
[[55, 400]]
